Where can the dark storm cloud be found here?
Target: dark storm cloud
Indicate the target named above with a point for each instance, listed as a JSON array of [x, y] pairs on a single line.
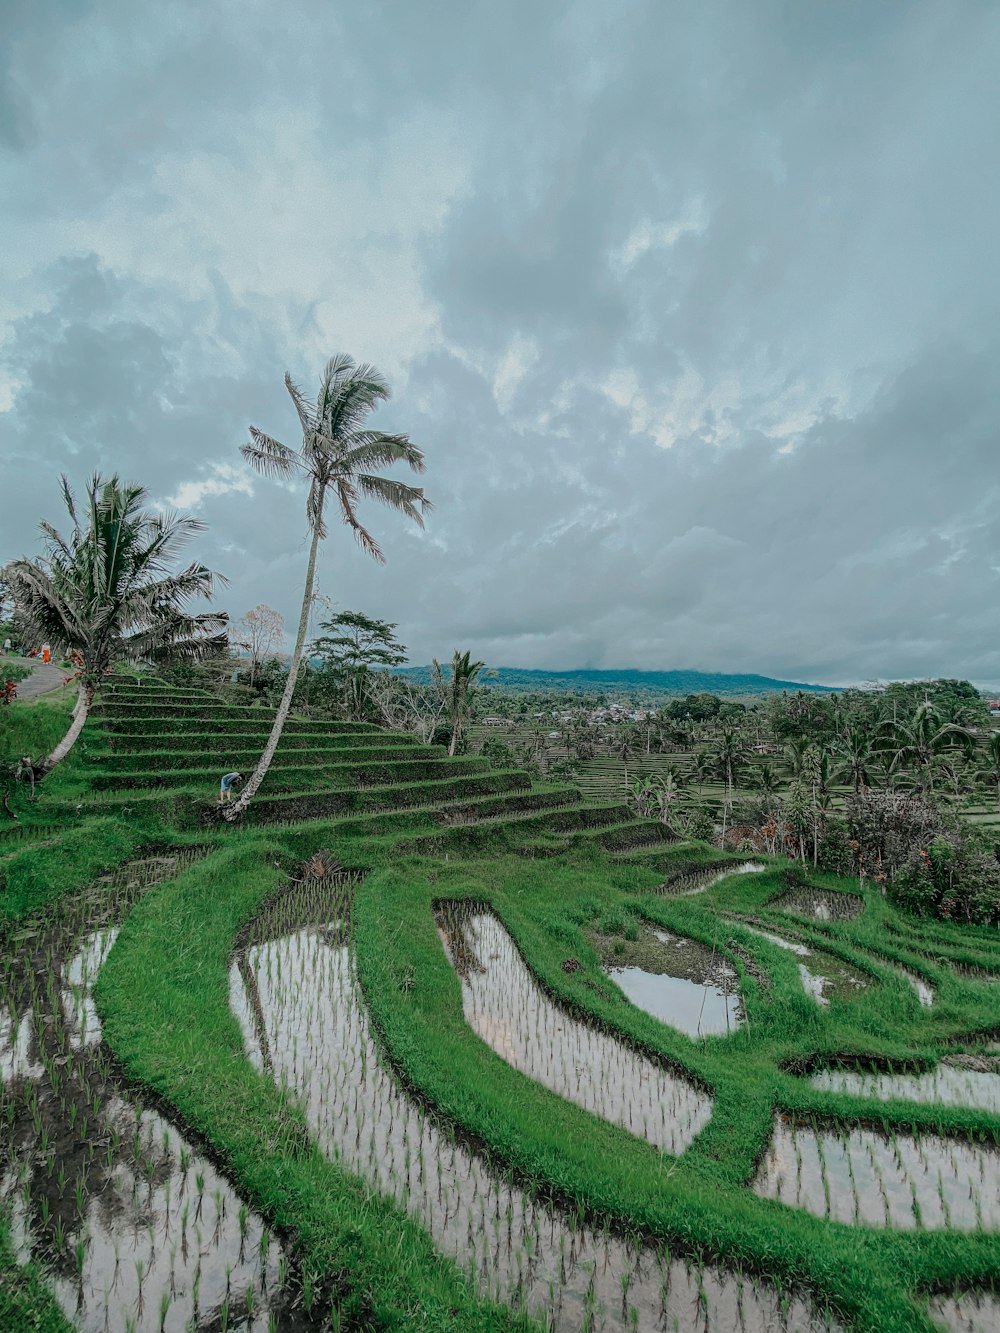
[[692, 308]]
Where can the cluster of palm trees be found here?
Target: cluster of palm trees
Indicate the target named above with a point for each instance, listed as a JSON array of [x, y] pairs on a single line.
[[107, 593]]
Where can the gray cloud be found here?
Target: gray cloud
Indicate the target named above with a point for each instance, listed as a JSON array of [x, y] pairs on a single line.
[[691, 307]]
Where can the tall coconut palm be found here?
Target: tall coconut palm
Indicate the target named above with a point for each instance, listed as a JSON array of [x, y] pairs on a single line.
[[106, 594], [853, 748], [335, 456], [458, 691], [916, 743]]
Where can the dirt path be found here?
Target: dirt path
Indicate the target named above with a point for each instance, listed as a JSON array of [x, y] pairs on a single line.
[[43, 679]]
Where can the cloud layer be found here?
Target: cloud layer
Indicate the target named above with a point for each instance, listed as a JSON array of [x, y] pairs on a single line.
[[692, 309]]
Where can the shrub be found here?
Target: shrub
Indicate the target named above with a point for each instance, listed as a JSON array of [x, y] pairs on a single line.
[[953, 880]]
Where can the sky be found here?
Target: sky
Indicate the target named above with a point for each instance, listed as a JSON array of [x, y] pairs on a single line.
[[691, 307]]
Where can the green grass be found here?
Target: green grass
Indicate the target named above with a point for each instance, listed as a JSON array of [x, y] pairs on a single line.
[[26, 1304]]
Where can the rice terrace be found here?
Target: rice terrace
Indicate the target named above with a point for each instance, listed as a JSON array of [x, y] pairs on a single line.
[[499, 675], [421, 1035]]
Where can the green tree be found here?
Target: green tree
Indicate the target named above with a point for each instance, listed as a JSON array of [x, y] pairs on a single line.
[[354, 640], [338, 448], [853, 750], [105, 593], [915, 743], [458, 691]]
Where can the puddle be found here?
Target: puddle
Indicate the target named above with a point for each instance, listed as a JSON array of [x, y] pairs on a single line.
[[827, 977], [947, 1085], [924, 990], [859, 1176], [969, 1312], [136, 1229], [306, 1023], [697, 881], [678, 980], [823, 904], [506, 1007]]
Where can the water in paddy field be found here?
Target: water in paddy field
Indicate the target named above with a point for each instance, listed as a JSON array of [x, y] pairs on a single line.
[[697, 881], [969, 1312], [136, 1229], [874, 1179], [304, 1022], [823, 904], [947, 1085], [825, 976], [506, 1007], [686, 985]]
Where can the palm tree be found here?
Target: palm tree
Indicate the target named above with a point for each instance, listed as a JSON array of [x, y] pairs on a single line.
[[336, 453], [105, 593], [917, 742], [458, 691], [854, 749], [623, 749]]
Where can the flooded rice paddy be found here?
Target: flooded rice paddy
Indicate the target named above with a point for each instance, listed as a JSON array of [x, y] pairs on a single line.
[[697, 881], [825, 977], [946, 1085], [678, 980], [861, 1176], [136, 1229], [505, 1006], [969, 1312], [304, 1020], [822, 904]]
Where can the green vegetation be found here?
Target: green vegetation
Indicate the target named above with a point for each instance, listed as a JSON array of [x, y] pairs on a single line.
[[553, 870]]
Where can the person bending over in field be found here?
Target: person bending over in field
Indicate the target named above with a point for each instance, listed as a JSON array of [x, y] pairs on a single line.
[[226, 787]]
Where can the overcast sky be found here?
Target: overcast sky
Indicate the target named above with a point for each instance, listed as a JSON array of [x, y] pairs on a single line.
[[693, 308]]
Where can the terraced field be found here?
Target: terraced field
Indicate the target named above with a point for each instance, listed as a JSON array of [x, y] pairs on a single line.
[[369, 1060]]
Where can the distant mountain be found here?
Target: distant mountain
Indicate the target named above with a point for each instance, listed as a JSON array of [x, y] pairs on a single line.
[[674, 683]]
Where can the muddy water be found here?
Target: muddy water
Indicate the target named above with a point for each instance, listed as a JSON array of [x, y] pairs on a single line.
[[697, 881], [136, 1229], [678, 980], [947, 1085], [823, 904], [970, 1312], [505, 1006], [825, 977], [304, 1021], [864, 1177]]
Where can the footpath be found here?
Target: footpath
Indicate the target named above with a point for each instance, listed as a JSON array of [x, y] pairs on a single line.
[[43, 679]]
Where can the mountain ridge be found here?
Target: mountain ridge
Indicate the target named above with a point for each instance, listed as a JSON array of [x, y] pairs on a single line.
[[632, 681]]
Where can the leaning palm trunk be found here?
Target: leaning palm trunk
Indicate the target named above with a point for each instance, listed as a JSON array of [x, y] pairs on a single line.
[[81, 712], [284, 707]]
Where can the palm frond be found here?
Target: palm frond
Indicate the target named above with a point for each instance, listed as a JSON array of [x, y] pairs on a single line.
[[396, 494], [267, 455], [348, 498], [373, 448], [305, 410]]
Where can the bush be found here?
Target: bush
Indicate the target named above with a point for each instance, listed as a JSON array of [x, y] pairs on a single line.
[[956, 881]]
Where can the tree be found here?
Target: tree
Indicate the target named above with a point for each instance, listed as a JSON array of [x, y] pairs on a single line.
[[917, 742], [457, 691], [336, 452], [259, 633], [105, 593], [854, 750], [355, 640]]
